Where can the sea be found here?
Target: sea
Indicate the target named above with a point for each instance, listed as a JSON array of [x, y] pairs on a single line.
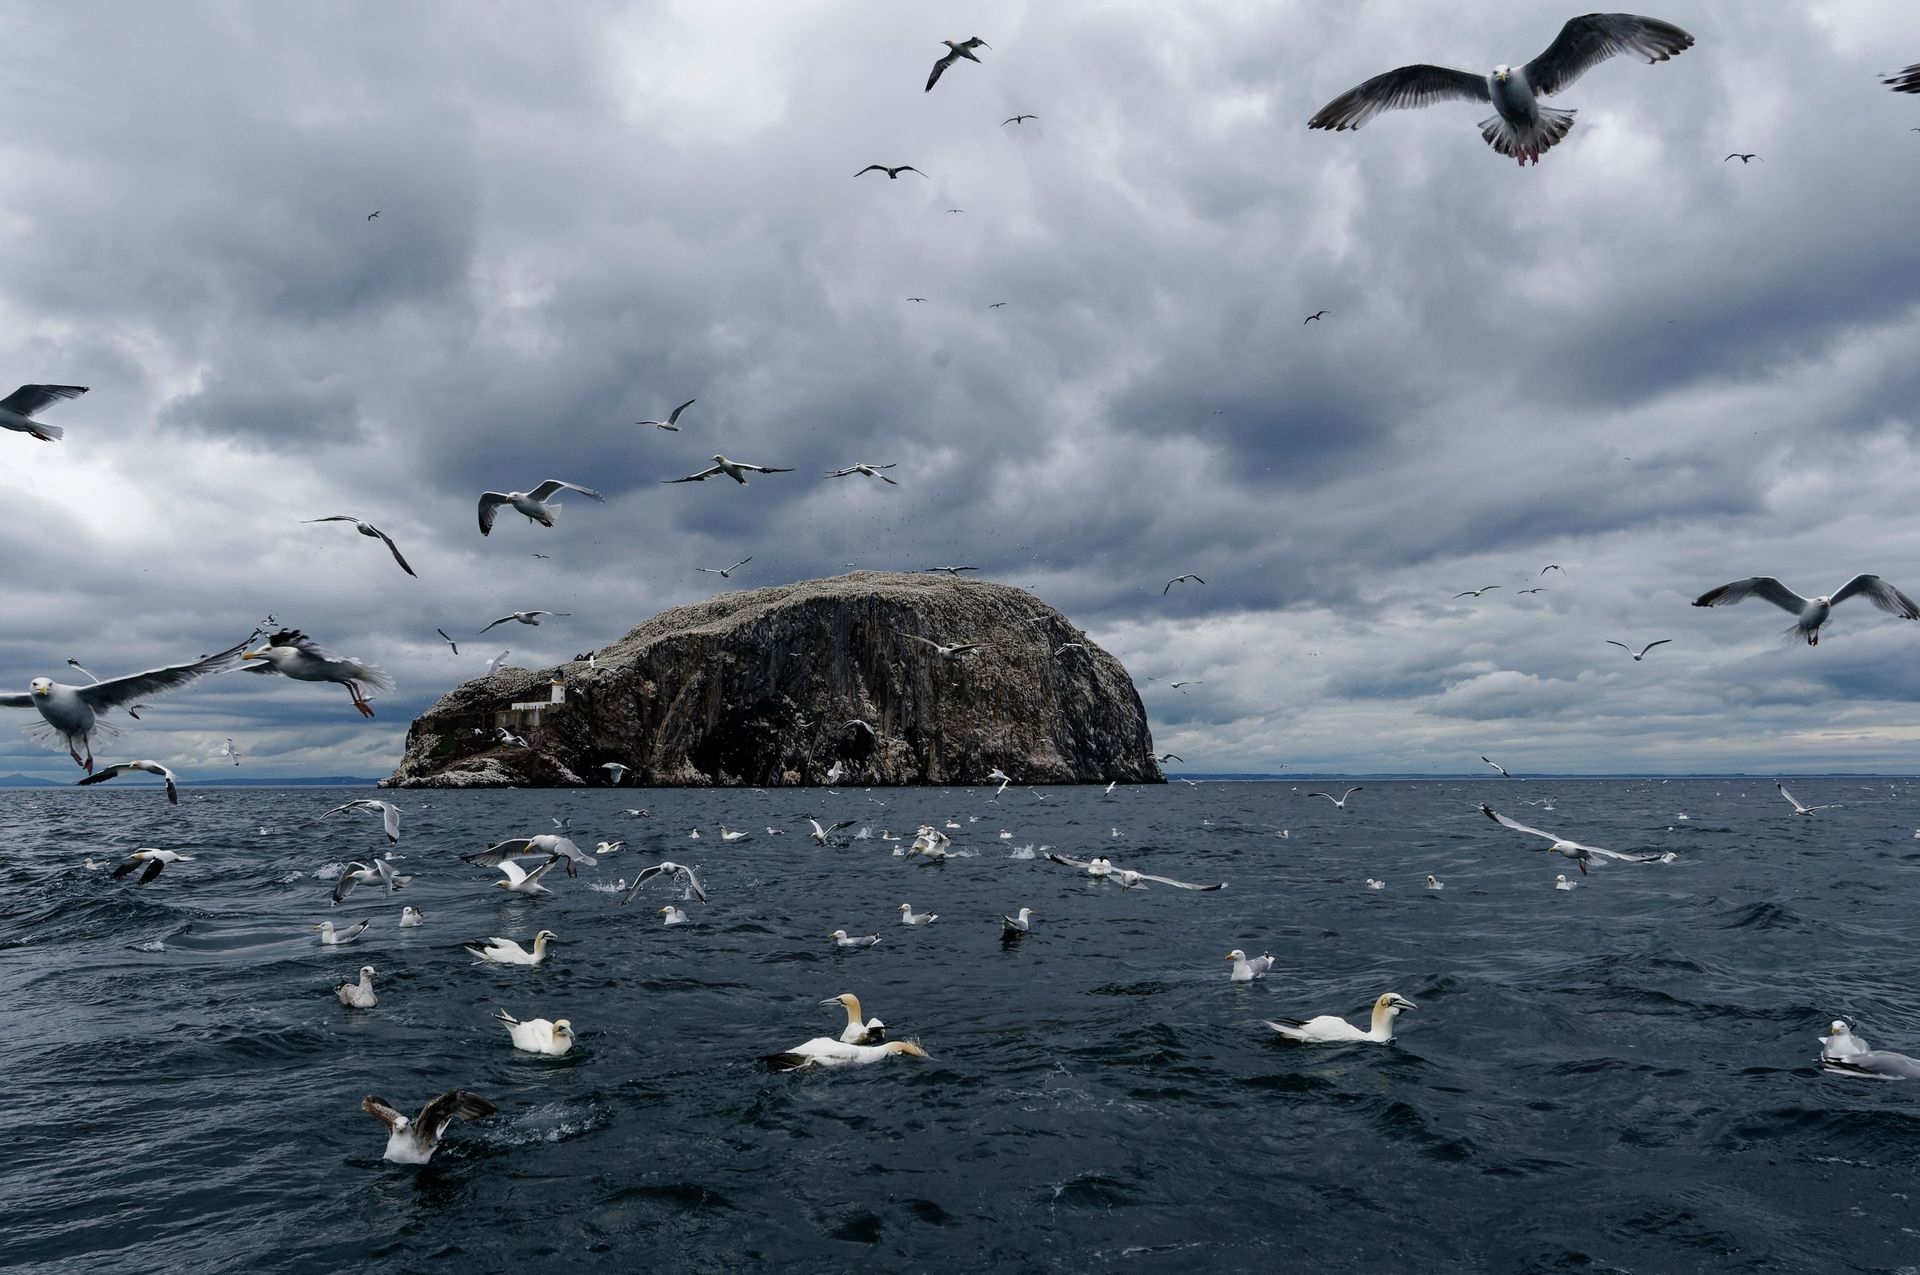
[[1621, 1077]]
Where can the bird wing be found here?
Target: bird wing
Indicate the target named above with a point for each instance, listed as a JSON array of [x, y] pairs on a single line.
[[490, 502], [450, 642], [344, 886], [101, 776], [673, 417], [546, 490], [1622, 645], [1789, 796], [1399, 89], [394, 549], [438, 1114], [389, 819], [333, 518], [1649, 646], [764, 469], [118, 691], [1585, 42], [702, 476], [29, 399], [1071, 863], [743, 562], [516, 875], [1349, 792], [16, 701], [493, 856], [1179, 885], [502, 620], [379, 1108], [1761, 586], [693, 882], [882, 167], [1881, 594], [939, 67], [1515, 824]]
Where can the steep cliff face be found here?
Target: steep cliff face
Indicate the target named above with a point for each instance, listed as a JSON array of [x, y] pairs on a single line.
[[762, 686]]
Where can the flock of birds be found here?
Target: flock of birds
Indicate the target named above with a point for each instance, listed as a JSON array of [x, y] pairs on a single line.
[[74, 715]]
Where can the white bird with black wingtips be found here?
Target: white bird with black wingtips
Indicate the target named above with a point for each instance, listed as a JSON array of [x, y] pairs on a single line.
[[538, 505], [1811, 613]]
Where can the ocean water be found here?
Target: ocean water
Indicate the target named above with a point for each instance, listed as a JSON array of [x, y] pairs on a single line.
[[1617, 1078]]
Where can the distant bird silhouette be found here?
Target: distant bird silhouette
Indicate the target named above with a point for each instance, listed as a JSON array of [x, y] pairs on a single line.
[[1747, 158], [1016, 119], [1643, 650], [1907, 81], [373, 214], [1535, 590], [964, 49], [956, 210], [1170, 757], [1474, 593], [893, 174], [449, 638], [996, 305], [727, 573], [1310, 318], [673, 418], [1553, 566], [1177, 580], [952, 571], [916, 298]]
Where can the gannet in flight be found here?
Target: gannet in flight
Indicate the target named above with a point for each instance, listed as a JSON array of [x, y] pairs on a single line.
[[870, 471], [154, 859], [1520, 127], [1497, 766], [151, 767], [534, 504], [726, 573], [963, 49], [734, 469], [1642, 654], [17, 409], [1177, 579], [413, 1141], [527, 617], [1329, 1030], [1810, 613], [948, 653], [1126, 877], [893, 174]]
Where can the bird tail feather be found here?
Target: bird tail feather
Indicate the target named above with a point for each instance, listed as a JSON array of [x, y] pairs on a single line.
[[48, 433], [1531, 143]]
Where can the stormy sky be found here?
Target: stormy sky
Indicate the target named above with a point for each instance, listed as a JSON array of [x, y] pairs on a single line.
[[1656, 368]]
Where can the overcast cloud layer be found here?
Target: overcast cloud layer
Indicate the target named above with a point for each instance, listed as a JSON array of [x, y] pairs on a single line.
[[1658, 369]]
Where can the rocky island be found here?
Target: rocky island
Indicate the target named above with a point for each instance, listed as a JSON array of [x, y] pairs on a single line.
[[855, 678]]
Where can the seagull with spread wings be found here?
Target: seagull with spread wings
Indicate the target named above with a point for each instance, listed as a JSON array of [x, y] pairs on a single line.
[[1497, 766], [1519, 127], [726, 573], [1642, 654], [17, 409], [955, 51], [893, 174], [1810, 613], [527, 617], [949, 652], [1178, 579], [681, 871], [734, 469], [538, 505], [1798, 808], [369, 530], [1126, 878], [73, 713], [952, 571], [1341, 800], [388, 812], [673, 418], [299, 657], [1581, 854], [870, 471]]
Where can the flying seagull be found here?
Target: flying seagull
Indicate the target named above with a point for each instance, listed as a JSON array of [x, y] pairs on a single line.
[[998, 305], [725, 573], [870, 471], [1474, 593], [1171, 757], [1798, 809], [1177, 580], [1581, 854], [151, 767], [947, 652], [916, 298], [388, 812], [684, 873], [368, 529], [893, 174], [1497, 766], [1535, 589], [1341, 800], [673, 418], [527, 617], [373, 214], [1126, 877], [1520, 127], [1747, 158], [1189, 682], [1811, 613], [493, 665], [296, 655], [534, 504], [964, 49], [1553, 566], [413, 1141], [17, 409], [72, 713], [1907, 81], [449, 639], [821, 836], [952, 571], [1315, 315], [1643, 650], [1016, 119], [734, 469], [230, 751]]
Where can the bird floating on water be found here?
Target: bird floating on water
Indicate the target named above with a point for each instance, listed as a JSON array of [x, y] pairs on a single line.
[[1435, 883], [17, 409], [359, 995], [844, 940], [1520, 127], [955, 51], [1560, 882], [909, 917], [150, 767], [1844, 1054], [1330, 1030], [1019, 923], [73, 713], [856, 1032], [369, 530], [293, 654], [538, 505], [1810, 613], [412, 917], [1247, 968], [671, 915], [329, 937], [824, 1051], [537, 1035], [673, 418], [507, 952], [413, 1141]]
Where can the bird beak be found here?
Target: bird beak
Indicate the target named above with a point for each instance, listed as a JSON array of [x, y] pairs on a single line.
[[41, 691], [254, 655]]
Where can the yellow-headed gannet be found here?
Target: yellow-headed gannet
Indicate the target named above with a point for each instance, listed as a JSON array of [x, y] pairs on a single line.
[[1329, 1030], [154, 859], [150, 767], [507, 952], [824, 1051], [537, 1035]]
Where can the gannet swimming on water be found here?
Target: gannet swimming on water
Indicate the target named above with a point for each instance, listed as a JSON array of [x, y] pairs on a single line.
[[534, 504], [150, 767], [1520, 127], [1580, 854], [1341, 800], [1246, 969], [358, 873], [72, 713], [1020, 923], [1810, 613], [328, 938], [388, 812], [955, 51], [411, 916], [295, 655], [508, 952], [17, 409], [1798, 809], [856, 1032], [1560, 882], [517, 880], [824, 1051], [1329, 1030], [727, 834], [841, 939], [1125, 876], [1435, 883], [909, 917], [154, 859], [672, 915], [537, 1035], [413, 1141], [685, 874], [359, 995]]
